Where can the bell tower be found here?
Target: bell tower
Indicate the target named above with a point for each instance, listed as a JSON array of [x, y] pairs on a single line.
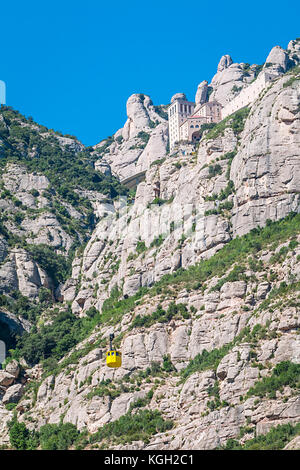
[[179, 110]]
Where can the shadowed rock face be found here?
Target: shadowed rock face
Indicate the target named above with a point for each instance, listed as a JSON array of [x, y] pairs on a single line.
[[3, 248], [7, 335], [10, 327], [15, 324]]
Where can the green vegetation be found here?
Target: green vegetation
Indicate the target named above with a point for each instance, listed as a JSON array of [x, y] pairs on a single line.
[[58, 436], [17, 304], [227, 205], [233, 252], [56, 266], [276, 439], [20, 437], [227, 191], [141, 425], [159, 161], [106, 389], [280, 256], [65, 168], [49, 437], [116, 306], [160, 110], [285, 373], [224, 193], [104, 147], [155, 369], [214, 392], [214, 170], [161, 316], [210, 360], [144, 136], [257, 70], [158, 241], [205, 360], [157, 201], [236, 89], [235, 274], [141, 247], [70, 170], [295, 75], [132, 427], [236, 121], [167, 365], [282, 291], [132, 382], [207, 126], [52, 341]]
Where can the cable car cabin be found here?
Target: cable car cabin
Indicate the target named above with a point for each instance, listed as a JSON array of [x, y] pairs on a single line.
[[113, 358]]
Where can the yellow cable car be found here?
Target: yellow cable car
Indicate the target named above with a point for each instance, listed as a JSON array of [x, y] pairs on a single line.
[[113, 357]]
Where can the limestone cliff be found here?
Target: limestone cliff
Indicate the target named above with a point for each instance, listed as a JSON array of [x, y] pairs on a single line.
[[197, 274], [233, 182], [143, 139]]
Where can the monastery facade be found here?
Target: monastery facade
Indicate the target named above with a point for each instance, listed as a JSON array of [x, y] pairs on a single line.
[[186, 119]]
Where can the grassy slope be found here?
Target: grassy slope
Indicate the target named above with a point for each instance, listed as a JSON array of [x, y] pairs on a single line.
[[53, 341]]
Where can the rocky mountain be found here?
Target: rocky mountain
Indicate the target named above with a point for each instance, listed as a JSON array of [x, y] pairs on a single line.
[[46, 210], [142, 140], [196, 271]]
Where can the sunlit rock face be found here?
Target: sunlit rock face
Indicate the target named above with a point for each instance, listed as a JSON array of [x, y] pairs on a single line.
[[193, 348]]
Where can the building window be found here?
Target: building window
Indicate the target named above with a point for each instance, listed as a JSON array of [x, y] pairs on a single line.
[[191, 126]]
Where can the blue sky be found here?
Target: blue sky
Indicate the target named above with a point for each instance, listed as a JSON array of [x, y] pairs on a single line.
[[72, 65]]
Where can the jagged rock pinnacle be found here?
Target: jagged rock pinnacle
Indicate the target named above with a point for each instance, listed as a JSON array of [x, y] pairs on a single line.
[[180, 96], [201, 95], [225, 62]]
